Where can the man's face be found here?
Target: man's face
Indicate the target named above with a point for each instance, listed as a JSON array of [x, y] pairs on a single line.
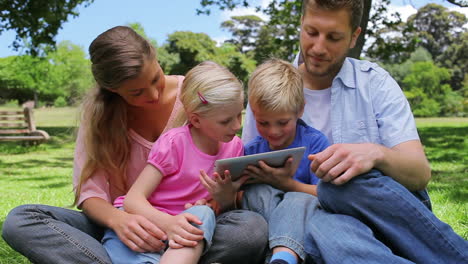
[[326, 37]]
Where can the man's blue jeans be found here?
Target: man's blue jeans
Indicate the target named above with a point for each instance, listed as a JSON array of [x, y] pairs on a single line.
[[119, 253], [399, 219], [371, 219], [47, 234], [295, 220]]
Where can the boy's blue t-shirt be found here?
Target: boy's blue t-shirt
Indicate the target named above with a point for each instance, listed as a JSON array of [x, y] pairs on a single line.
[[306, 136]]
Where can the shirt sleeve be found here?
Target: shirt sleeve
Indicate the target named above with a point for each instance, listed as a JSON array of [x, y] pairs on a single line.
[[249, 131], [164, 155], [94, 186], [393, 113]]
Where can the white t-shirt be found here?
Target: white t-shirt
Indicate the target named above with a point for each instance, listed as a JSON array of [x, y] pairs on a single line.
[[317, 110]]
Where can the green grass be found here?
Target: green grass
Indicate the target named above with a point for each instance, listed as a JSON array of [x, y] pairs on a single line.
[[43, 174]]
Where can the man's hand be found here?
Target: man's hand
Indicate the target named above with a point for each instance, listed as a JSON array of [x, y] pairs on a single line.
[[339, 163]]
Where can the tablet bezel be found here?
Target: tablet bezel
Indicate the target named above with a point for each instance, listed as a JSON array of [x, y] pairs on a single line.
[[275, 158]]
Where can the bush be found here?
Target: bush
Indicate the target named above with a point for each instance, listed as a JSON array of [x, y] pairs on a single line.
[[60, 102], [12, 103]]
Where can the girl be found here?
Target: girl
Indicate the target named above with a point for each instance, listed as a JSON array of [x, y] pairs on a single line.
[[132, 104], [213, 101]]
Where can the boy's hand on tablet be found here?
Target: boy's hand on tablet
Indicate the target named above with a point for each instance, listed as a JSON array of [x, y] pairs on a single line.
[[281, 177]]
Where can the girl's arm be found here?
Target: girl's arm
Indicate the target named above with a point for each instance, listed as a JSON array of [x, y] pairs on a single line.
[[178, 228]]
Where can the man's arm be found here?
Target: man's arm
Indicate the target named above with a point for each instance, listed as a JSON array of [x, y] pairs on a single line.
[[405, 162]]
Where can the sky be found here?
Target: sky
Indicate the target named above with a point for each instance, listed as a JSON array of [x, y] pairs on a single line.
[[160, 18]]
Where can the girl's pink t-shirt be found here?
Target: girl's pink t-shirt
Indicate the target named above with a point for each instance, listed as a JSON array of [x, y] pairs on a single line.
[[97, 185], [179, 160]]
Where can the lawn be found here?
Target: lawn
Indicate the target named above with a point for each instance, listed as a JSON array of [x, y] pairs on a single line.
[[42, 174]]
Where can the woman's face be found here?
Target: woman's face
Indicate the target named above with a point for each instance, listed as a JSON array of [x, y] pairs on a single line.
[[146, 89]]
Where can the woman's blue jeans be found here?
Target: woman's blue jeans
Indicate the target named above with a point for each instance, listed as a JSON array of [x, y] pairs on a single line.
[[119, 253], [47, 234], [371, 219]]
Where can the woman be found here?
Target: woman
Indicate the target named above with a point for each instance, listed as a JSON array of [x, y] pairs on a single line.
[[132, 105]]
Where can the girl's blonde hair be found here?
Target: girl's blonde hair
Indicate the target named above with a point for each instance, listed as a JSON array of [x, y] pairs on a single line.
[[116, 55], [207, 88], [276, 86]]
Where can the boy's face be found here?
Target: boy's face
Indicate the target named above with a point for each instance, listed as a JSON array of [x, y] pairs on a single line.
[[278, 128]]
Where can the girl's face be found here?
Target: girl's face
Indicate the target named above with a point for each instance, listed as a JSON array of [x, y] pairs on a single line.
[[145, 90], [223, 124]]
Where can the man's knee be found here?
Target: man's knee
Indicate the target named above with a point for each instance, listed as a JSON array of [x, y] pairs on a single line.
[[359, 188]]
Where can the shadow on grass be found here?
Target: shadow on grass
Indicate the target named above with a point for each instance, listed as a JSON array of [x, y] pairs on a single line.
[[449, 142], [447, 150], [36, 163], [446, 182], [58, 137], [54, 185]]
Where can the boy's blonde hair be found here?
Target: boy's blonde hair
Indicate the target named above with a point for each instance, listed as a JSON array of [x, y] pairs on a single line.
[[276, 86], [208, 87]]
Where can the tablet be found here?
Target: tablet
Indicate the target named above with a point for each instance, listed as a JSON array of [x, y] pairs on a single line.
[[273, 158]]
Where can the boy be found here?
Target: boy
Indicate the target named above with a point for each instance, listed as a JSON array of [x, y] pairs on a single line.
[[276, 98]]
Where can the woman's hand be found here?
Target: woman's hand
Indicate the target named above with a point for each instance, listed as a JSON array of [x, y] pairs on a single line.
[[138, 233], [280, 178], [222, 188], [181, 233]]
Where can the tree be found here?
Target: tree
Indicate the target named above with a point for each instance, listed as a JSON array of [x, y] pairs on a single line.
[[70, 72], [191, 48], [245, 31], [285, 21], [63, 73], [440, 31], [425, 89], [436, 27], [36, 23]]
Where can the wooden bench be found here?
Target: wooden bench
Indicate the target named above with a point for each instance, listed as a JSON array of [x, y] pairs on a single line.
[[19, 126]]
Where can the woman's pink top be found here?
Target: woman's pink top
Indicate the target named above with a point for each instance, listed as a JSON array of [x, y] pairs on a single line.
[[97, 185], [179, 160]]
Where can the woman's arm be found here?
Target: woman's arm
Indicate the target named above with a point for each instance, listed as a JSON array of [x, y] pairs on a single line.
[[133, 230], [177, 228]]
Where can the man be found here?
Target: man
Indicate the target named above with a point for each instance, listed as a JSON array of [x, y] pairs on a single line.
[[367, 118]]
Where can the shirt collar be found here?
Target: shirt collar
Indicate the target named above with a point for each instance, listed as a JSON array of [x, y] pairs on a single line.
[[346, 74]]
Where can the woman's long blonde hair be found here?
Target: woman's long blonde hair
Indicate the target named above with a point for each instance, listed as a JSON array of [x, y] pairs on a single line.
[[116, 55]]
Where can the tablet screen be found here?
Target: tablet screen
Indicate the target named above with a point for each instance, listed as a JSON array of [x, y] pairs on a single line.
[[273, 158]]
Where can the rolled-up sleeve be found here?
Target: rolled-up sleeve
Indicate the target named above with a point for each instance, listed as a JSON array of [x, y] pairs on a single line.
[[393, 113]]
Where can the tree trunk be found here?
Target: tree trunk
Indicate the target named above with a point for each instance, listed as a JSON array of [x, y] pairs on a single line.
[[356, 51]]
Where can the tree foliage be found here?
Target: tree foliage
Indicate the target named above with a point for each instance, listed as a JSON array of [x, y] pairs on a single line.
[[36, 23], [185, 49], [64, 73], [435, 28], [281, 32]]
